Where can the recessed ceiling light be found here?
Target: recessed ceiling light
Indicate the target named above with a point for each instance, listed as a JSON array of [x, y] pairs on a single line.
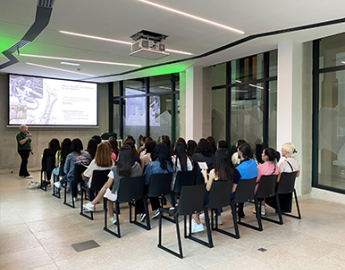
[[192, 16], [169, 88], [70, 64], [343, 62], [94, 37], [116, 41], [254, 85], [60, 69], [79, 60]]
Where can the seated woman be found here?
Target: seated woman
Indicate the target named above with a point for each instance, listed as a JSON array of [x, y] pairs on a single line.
[[236, 160], [149, 150], [54, 146], [126, 167], [161, 164], [101, 162], [60, 158], [269, 167], [191, 146], [92, 147], [223, 171], [115, 148], [203, 153], [290, 164], [181, 162], [77, 156], [245, 170]]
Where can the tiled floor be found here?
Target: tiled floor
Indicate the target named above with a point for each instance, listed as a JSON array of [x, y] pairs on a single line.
[[37, 231]]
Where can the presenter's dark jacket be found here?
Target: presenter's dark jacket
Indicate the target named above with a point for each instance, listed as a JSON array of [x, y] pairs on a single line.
[[27, 144]]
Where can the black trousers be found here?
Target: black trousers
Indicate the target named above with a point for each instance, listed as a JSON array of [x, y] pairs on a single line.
[[24, 154], [139, 205]]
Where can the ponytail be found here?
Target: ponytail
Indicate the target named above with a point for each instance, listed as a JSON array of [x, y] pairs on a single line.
[[272, 154]]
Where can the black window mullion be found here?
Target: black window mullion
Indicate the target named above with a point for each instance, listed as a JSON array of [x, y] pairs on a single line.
[[265, 101], [111, 107], [121, 110], [147, 88]]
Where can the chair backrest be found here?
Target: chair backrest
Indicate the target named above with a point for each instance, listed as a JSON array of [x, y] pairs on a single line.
[[286, 182], [99, 178], [78, 170], [267, 186], [131, 188], [245, 190], [61, 170], [184, 178], [160, 184], [50, 164], [220, 194], [191, 200]]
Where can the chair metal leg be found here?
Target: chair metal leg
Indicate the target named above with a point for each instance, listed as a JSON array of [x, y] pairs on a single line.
[[56, 191], [117, 234], [43, 181], [82, 208], [148, 224], [280, 222], [234, 217], [209, 235], [298, 211], [65, 198], [258, 217]]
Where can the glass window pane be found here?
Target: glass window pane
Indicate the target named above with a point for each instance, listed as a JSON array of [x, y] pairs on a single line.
[[247, 69], [218, 114], [116, 117], [273, 65], [247, 116], [134, 87], [219, 75], [116, 89], [332, 51], [160, 116], [332, 130], [272, 114], [161, 83], [134, 117]]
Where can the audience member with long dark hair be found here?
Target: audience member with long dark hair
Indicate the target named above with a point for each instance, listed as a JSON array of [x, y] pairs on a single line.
[[77, 156], [191, 146], [161, 164], [126, 167], [60, 158], [92, 147], [97, 138], [54, 146], [143, 152], [212, 143], [115, 147], [142, 144], [167, 142], [235, 157], [245, 170], [134, 151], [269, 156], [147, 158], [102, 161], [223, 171], [203, 153]]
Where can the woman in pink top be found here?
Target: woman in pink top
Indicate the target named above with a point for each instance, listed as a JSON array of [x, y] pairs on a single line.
[[269, 155]]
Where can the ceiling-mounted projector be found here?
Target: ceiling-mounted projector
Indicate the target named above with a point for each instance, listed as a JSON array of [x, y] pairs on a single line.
[[148, 45]]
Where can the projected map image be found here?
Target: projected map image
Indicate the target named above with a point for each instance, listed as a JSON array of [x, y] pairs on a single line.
[[40, 101]]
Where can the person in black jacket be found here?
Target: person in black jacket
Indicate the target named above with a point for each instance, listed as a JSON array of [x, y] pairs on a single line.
[[54, 146]]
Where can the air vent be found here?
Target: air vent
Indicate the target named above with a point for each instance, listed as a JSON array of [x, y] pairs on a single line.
[[46, 3]]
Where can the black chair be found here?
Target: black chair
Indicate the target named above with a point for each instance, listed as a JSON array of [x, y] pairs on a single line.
[[99, 178], [56, 191], [220, 196], [78, 170], [130, 190], [191, 202], [286, 185], [183, 178], [50, 167], [244, 193], [267, 189]]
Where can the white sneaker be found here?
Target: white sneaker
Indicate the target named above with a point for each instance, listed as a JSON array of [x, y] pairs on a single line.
[[156, 214], [28, 177], [142, 217], [197, 227], [113, 220], [57, 184], [89, 206], [220, 220], [74, 199], [263, 210]]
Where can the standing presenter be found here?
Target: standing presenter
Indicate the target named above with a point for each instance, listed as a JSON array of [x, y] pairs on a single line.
[[24, 150]]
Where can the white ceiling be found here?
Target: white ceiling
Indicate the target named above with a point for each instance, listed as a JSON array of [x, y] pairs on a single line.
[[119, 19]]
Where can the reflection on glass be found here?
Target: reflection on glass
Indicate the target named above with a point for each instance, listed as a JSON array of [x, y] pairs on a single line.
[[218, 114], [116, 89], [134, 117], [163, 83], [177, 115], [273, 65], [116, 117], [272, 115], [219, 75], [247, 69], [332, 51], [135, 84], [332, 130], [247, 116], [160, 116]]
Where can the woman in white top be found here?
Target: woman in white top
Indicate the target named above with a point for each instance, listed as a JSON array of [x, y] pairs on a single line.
[[146, 158], [102, 161], [290, 164]]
